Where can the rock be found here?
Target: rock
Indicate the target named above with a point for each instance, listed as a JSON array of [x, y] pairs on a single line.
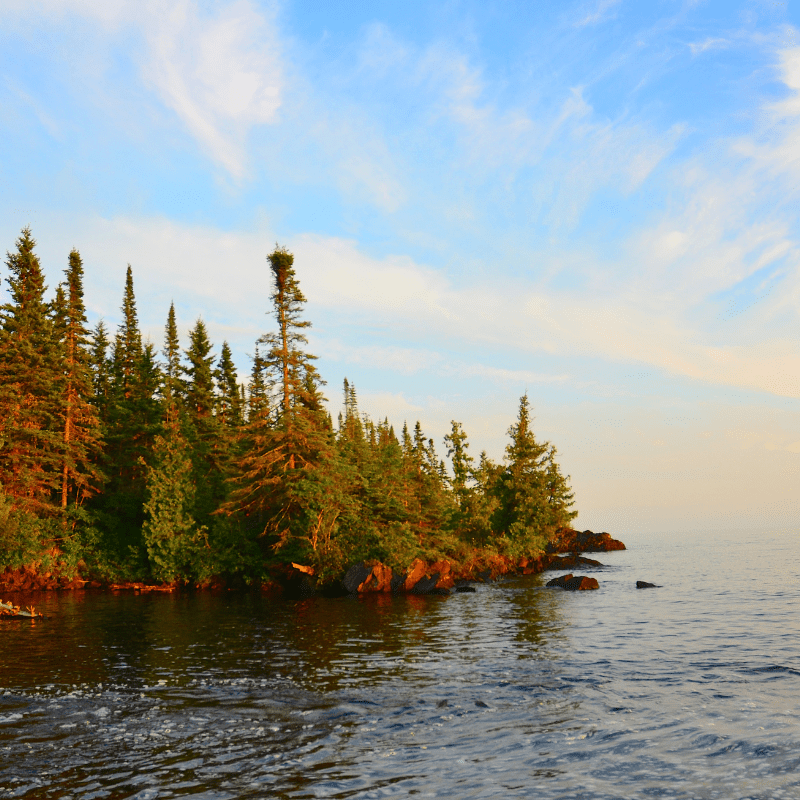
[[481, 704], [378, 580], [560, 581], [581, 583], [574, 583], [398, 583], [445, 578], [569, 562], [567, 540], [426, 584], [466, 589], [355, 576], [442, 704], [416, 572], [646, 585]]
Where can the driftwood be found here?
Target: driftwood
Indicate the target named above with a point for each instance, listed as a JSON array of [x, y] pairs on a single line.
[[10, 611]]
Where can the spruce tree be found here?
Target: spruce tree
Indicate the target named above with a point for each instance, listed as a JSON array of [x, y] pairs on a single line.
[[172, 389], [134, 418], [31, 442], [205, 435], [172, 537], [80, 477], [290, 482], [524, 515], [229, 404]]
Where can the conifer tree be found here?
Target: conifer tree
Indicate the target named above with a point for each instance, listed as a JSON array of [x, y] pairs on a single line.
[[30, 386], [457, 446], [229, 403], [172, 366], [101, 373], [524, 514], [171, 534], [134, 418], [205, 434], [80, 476], [290, 481]]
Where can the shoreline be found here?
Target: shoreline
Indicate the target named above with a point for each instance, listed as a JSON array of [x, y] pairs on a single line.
[[296, 580]]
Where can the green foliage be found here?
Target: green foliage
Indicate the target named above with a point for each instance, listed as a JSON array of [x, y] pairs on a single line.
[[171, 471], [173, 540]]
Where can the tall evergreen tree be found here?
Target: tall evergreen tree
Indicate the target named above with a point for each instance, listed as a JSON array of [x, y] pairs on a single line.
[[80, 476], [171, 534], [30, 386], [134, 418], [229, 401], [172, 366], [524, 514], [101, 373], [290, 480]]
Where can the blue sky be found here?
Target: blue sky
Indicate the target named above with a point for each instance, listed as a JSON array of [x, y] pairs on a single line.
[[596, 202]]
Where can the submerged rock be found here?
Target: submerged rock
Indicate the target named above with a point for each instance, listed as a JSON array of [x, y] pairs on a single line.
[[574, 583], [646, 585]]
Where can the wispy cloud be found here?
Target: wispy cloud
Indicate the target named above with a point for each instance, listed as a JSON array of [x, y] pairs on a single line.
[[221, 74], [710, 43], [602, 10], [220, 71]]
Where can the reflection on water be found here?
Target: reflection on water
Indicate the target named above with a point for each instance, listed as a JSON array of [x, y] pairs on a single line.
[[690, 691]]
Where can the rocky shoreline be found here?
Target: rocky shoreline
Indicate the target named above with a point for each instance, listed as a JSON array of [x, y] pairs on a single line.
[[439, 577]]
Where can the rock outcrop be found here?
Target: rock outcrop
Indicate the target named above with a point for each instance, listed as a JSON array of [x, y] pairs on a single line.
[[574, 583], [571, 541]]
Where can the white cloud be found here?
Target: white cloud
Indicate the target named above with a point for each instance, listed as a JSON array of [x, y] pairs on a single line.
[[602, 10], [708, 44], [221, 73]]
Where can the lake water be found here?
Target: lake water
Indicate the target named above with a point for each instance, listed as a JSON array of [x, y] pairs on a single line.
[[687, 691]]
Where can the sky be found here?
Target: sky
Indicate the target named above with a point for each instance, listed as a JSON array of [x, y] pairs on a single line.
[[594, 202]]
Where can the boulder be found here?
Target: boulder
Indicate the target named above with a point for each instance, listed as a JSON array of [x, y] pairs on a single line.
[[378, 580], [355, 576], [426, 584], [646, 585], [568, 540], [574, 583], [416, 572]]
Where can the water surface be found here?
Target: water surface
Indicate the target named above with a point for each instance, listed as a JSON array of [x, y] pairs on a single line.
[[687, 691]]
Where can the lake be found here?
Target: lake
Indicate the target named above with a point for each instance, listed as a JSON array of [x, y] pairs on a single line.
[[686, 691]]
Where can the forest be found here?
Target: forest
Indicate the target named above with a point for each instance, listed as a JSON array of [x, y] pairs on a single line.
[[132, 462]]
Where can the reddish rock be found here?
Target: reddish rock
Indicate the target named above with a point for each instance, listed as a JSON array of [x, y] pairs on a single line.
[[574, 583], [378, 580], [568, 562], [416, 573], [568, 540], [445, 580]]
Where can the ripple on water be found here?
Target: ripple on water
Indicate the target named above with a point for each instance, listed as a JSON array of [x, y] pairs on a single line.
[[516, 690]]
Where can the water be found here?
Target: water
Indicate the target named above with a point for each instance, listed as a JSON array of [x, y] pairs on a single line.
[[687, 691]]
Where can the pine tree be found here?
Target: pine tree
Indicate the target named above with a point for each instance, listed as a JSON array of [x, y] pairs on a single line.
[[134, 418], [457, 446], [172, 390], [208, 444], [101, 373], [523, 514], [290, 482], [31, 452], [229, 403], [80, 476], [172, 537]]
